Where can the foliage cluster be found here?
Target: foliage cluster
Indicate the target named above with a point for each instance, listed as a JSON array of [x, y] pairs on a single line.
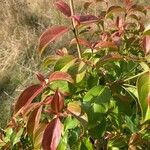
[[98, 94]]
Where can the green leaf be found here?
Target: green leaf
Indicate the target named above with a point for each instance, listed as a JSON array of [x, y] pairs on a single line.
[[64, 142], [18, 136], [143, 87], [70, 123], [96, 104], [50, 60], [78, 71], [86, 144], [98, 131], [64, 63], [100, 94], [147, 30]]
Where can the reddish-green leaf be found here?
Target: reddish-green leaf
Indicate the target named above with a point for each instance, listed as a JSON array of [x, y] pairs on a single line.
[[106, 44], [58, 75], [146, 44], [81, 41], [48, 100], [75, 109], [51, 35], [85, 19], [52, 135], [41, 78], [57, 103], [63, 7], [27, 96], [38, 135], [33, 121]]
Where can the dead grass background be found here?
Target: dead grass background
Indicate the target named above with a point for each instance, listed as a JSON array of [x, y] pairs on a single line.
[[21, 23]]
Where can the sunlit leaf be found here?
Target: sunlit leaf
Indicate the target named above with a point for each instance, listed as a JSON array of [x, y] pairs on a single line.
[[38, 135], [147, 30], [75, 109], [41, 78], [86, 144], [78, 71], [81, 41], [64, 63], [106, 44], [58, 75], [85, 19], [57, 103], [63, 7], [51, 35], [143, 86], [50, 60], [33, 121], [52, 135], [27, 96]]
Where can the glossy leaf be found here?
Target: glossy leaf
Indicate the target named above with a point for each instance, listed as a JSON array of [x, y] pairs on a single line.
[[52, 135], [51, 35], [33, 121], [58, 75], [143, 87], [27, 96], [57, 103], [63, 7], [38, 135], [146, 44]]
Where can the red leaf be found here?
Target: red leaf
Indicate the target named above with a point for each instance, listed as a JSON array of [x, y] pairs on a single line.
[[81, 42], [48, 100], [85, 19], [52, 135], [27, 96], [51, 35], [33, 121], [41, 78], [58, 75], [106, 44], [63, 7], [57, 103], [146, 44]]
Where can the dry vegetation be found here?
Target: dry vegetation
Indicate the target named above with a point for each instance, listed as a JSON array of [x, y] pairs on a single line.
[[21, 23]]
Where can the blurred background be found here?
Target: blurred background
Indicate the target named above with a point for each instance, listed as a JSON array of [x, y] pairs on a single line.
[[21, 24]]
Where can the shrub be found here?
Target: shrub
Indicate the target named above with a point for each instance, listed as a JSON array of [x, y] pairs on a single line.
[[95, 98]]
